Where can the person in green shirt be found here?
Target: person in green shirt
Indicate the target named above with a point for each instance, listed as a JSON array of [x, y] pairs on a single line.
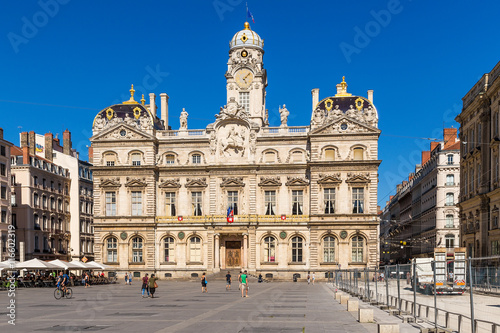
[[244, 284], [152, 285]]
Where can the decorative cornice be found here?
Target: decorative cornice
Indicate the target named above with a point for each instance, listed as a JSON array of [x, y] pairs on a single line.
[[136, 182], [297, 181], [329, 179], [270, 181], [111, 182], [358, 178], [170, 183], [232, 182], [196, 182]]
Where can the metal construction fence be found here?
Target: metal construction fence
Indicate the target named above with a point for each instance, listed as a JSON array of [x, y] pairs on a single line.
[[439, 295]]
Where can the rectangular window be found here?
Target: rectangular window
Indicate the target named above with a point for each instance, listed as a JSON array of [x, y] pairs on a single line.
[[44, 201], [2, 150], [297, 202], [270, 202], [110, 203], [450, 159], [495, 222], [170, 159], [450, 242], [232, 201], [3, 192], [136, 159], [196, 159], [136, 203], [494, 248], [4, 216], [170, 203], [3, 170], [329, 202], [245, 100], [196, 203], [14, 220], [358, 200]]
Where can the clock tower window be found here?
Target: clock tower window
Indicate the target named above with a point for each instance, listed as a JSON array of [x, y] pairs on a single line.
[[245, 100]]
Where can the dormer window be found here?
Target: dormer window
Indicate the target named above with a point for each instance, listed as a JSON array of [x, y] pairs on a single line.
[[110, 159], [170, 159], [196, 158], [136, 159]]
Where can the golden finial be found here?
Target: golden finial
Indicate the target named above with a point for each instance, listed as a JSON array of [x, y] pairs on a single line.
[[131, 100], [247, 26], [143, 100], [343, 83], [342, 89]]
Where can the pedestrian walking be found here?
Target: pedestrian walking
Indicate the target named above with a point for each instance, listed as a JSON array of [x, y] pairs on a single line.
[[204, 283], [126, 278], [129, 277], [87, 280], [244, 284], [83, 279], [152, 285], [308, 277], [145, 284], [239, 280], [313, 277], [228, 280]]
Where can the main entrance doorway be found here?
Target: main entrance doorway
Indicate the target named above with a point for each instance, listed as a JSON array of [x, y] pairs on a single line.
[[233, 254]]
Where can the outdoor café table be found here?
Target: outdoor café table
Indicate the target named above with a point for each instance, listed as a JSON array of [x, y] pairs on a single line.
[[48, 284]]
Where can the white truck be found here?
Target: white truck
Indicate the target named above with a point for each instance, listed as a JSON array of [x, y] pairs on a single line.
[[450, 271]]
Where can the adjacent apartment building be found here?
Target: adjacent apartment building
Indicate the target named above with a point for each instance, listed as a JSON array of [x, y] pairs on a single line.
[[479, 200], [423, 214], [239, 193], [5, 194]]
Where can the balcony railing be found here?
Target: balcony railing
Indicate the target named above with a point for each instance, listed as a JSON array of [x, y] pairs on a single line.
[[237, 218]]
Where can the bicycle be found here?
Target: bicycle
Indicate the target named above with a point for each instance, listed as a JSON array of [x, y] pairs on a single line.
[[59, 293]]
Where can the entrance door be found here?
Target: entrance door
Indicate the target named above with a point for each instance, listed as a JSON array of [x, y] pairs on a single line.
[[233, 254]]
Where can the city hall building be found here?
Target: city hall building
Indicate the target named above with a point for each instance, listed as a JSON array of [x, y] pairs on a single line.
[[237, 193]]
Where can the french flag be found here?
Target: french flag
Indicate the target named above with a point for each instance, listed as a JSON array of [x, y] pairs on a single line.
[[249, 15], [230, 215]]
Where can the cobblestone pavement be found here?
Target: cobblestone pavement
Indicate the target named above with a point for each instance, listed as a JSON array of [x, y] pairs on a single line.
[[182, 307]]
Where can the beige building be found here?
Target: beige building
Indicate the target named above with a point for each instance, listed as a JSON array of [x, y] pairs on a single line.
[[42, 202], [5, 195], [422, 214], [239, 193], [480, 167]]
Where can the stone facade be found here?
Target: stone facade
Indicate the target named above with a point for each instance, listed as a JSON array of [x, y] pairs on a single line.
[[480, 167], [239, 193], [423, 215], [5, 195]]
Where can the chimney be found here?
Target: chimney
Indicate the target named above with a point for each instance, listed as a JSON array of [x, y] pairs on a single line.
[[426, 155], [164, 109], [67, 142], [48, 146], [26, 155], [24, 139], [152, 103], [315, 95], [450, 136], [1, 133], [434, 145], [31, 143], [91, 154], [370, 95]]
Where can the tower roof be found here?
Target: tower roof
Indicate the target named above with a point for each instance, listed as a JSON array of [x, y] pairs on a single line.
[[246, 38]]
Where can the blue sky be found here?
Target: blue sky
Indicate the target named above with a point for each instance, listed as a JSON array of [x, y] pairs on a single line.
[[61, 64]]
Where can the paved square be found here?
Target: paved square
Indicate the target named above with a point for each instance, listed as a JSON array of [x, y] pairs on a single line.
[[182, 307]]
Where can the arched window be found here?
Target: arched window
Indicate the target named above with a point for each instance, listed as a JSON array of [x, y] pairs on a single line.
[[137, 249], [449, 221], [329, 154], [269, 157], [329, 249], [169, 251], [195, 249], [37, 248], [357, 249], [358, 154], [450, 180], [35, 199], [112, 249], [449, 199], [110, 159], [170, 159], [196, 158], [297, 249], [136, 159], [297, 157], [269, 249]]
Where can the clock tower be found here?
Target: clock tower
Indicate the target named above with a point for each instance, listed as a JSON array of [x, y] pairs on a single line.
[[246, 76]]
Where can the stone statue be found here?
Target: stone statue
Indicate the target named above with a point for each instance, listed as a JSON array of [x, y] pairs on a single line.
[[100, 123], [115, 120], [318, 116], [284, 115], [130, 121], [145, 122], [351, 112], [370, 117], [213, 142], [184, 119]]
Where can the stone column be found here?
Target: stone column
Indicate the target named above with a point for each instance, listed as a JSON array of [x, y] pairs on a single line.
[[216, 251], [245, 250]]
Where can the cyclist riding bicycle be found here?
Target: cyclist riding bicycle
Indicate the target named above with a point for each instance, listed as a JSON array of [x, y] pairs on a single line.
[[62, 281]]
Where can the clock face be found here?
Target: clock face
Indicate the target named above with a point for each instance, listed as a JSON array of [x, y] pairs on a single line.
[[244, 78], [123, 133], [343, 126]]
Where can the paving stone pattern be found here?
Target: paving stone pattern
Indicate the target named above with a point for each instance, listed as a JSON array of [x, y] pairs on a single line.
[[181, 307]]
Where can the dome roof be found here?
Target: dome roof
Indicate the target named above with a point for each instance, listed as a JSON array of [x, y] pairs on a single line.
[[246, 38]]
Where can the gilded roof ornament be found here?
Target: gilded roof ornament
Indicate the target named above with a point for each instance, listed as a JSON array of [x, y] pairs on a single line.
[[342, 89], [143, 100], [247, 26], [131, 100]]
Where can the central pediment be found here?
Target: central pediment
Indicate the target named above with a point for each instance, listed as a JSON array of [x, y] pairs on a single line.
[[345, 125]]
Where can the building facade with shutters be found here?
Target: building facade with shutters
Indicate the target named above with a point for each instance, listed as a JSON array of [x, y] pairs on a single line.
[[239, 193], [5, 195], [480, 168], [423, 213]]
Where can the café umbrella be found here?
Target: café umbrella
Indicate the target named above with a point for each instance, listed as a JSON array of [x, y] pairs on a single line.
[[37, 264]]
